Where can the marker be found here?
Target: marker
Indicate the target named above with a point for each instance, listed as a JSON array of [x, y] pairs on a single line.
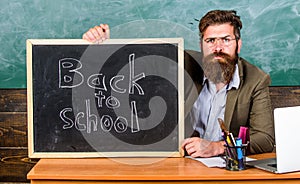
[[239, 153], [244, 134]]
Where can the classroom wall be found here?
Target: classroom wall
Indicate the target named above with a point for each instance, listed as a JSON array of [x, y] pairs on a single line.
[[270, 35]]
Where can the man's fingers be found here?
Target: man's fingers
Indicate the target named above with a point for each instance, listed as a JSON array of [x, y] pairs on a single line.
[[194, 154], [97, 33], [106, 30], [191, 150], [185, 142], [188, 145], [85, 37], [89, 36]]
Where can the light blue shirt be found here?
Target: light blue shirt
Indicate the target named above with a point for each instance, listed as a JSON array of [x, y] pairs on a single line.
[[210, 106]]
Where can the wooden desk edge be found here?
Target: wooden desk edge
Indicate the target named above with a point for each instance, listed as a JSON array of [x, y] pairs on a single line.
[[186, 173]]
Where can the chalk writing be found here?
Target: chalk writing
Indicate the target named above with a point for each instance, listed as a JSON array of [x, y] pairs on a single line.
[[88, 121]]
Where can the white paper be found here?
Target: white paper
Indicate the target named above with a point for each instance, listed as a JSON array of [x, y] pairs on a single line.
[[214, 161]]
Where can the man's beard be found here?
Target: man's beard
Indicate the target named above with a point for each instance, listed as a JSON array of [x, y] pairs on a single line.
[[219, 70]]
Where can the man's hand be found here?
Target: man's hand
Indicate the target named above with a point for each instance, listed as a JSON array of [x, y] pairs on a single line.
[[197, 147], [97, 34]]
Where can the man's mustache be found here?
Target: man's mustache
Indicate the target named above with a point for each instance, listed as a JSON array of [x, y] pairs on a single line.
[[220, 54], [224, 57]]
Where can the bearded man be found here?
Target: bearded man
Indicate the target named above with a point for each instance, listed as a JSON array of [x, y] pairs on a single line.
[[232, 90]]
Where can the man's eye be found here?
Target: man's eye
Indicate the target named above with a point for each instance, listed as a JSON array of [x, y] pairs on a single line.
[[226, 40], [211, 40]]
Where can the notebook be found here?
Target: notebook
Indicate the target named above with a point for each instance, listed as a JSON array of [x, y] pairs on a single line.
[[287, 138]]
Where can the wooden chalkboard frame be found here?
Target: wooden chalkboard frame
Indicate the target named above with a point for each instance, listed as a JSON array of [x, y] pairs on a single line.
[[30, 43]]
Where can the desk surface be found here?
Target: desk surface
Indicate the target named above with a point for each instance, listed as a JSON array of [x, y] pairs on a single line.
[[116, 169]]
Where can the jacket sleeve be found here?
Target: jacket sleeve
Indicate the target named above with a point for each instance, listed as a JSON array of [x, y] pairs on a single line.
[[261, 120]]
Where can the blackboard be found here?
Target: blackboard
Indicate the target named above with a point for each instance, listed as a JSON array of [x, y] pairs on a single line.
[[271, 29], [119, 98]]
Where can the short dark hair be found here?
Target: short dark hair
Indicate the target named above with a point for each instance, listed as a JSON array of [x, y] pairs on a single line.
[[216, 17]]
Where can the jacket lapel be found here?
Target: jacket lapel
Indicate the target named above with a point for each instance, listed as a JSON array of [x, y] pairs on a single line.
[[230, 106], [231, 100]]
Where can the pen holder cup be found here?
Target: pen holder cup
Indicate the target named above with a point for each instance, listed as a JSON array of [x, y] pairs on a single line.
[[235, 157]]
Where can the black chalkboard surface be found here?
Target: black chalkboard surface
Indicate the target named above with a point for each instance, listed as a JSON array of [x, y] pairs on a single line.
[[118, 98]]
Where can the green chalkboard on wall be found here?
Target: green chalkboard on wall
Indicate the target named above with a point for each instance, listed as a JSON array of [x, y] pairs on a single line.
[[270, 35]]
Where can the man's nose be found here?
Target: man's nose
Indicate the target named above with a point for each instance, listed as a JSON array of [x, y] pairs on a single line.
[[218, 47]]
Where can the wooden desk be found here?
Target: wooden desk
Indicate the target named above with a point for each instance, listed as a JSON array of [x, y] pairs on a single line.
[[168, 170]]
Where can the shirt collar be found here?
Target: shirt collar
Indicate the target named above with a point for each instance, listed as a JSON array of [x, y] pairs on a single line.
[[235, 81]]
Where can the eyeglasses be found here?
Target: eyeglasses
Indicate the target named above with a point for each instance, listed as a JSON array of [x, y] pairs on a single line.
[[224, 41]]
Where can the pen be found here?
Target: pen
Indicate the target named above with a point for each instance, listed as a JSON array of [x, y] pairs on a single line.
[[232, 139], [228, 150], [222, 126]]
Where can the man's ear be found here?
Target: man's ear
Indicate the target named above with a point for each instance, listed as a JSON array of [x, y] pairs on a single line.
[[239, 45], [201, 44]]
